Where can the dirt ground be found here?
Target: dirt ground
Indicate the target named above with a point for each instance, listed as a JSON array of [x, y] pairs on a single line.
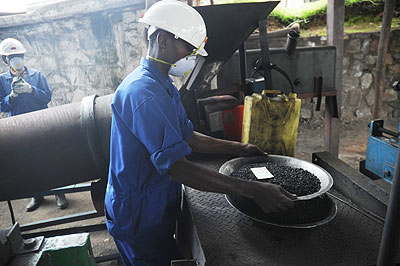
[[353, 144]]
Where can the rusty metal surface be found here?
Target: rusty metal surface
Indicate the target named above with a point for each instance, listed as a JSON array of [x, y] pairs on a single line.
[[228, 237], [47, 149]]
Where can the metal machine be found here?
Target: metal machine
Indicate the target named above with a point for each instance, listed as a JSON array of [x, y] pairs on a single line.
[[230, 62], [381, 152], [65, 250], [382, 148]]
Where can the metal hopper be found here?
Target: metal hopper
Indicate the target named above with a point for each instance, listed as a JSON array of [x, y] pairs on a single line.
[[228, 27]]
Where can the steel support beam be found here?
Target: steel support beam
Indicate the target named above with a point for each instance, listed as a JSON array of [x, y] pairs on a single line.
[[67, 231], [262, 27], [243, 63], [60, 220]]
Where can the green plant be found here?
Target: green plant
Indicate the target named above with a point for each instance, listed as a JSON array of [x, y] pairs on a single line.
[[351, 2], [303, 14]]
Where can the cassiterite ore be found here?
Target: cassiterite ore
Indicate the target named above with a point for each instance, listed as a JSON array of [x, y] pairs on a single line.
[[295, 180]]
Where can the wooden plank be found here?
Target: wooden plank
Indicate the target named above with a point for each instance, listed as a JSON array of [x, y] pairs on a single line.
[[381, 60], [335, 30]]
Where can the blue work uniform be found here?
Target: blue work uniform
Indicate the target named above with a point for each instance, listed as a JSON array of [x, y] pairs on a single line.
[[25, 102], [149, 132]]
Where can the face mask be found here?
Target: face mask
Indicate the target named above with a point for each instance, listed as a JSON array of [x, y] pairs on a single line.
[[183, 66], [17, 63]]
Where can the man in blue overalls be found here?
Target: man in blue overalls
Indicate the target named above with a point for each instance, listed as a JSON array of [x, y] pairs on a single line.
[[23, 90], [150, 137]]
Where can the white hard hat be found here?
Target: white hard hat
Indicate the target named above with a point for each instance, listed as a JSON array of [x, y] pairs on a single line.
[[11, 46], [179, 19]]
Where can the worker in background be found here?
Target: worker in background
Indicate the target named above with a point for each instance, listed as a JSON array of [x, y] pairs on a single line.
[[23, 90], [150, 137]]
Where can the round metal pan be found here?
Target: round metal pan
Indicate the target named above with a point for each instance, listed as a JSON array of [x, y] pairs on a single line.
[[304, 214], [312, 210], [324, 177]]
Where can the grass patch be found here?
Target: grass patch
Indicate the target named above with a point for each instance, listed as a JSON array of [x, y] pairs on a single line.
[[303, 13], [367, 26], [309, 12], [360, 16], [351, 2], [349, 28], [362, 19]]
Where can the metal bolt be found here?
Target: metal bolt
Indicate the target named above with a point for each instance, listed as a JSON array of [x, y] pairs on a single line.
[[29, 243]]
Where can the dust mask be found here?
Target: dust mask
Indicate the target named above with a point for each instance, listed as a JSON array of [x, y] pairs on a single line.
[[17, 63], [183, 66]]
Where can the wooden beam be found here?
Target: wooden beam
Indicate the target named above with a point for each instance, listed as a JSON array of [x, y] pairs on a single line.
[[335, 31], [381, 60]]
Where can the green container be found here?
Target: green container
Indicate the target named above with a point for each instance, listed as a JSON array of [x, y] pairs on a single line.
[[68, 250]]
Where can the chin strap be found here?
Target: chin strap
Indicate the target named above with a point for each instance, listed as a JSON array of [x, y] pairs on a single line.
[[161, 61]]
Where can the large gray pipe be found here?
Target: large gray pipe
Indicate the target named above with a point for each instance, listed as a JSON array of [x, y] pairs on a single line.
[[54, 147]]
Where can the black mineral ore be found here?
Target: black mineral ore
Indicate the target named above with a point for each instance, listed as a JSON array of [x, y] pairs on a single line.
[[294, 180]]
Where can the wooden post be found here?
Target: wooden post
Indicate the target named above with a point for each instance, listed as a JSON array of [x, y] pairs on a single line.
[[381, 60], [335, 31]]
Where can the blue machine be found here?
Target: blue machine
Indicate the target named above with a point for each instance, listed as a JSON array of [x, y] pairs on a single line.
[[381, 152]]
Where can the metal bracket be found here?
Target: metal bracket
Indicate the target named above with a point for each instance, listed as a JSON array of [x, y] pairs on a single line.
[[88, 123], [318, 91]]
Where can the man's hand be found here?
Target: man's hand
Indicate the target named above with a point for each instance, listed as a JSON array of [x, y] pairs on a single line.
[[21, 86], [248, 149], [13, 94], [271, 197]]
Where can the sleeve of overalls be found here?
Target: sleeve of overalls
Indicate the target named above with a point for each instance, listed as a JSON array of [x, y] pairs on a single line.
[[186, 124], [159, 129], [5, 89], [41, 91]]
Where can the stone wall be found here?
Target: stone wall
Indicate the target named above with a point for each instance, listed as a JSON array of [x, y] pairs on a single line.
[[359, 67], [88, 47], [81, 47]]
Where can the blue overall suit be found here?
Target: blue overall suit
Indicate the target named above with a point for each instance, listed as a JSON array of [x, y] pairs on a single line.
[[24, 103], [149, 131]]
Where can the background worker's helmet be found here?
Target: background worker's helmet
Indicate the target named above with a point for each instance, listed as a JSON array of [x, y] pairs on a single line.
[[11, 46], [179, 19]]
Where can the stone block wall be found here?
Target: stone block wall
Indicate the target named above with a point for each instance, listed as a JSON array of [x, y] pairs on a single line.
[[81, 47], [359, 68]]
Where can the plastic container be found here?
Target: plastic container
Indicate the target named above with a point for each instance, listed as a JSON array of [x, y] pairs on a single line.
[[233, 121], [271, 121]]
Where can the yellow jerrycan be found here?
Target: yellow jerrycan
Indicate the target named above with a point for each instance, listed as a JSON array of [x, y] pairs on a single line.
[[271, 121]]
